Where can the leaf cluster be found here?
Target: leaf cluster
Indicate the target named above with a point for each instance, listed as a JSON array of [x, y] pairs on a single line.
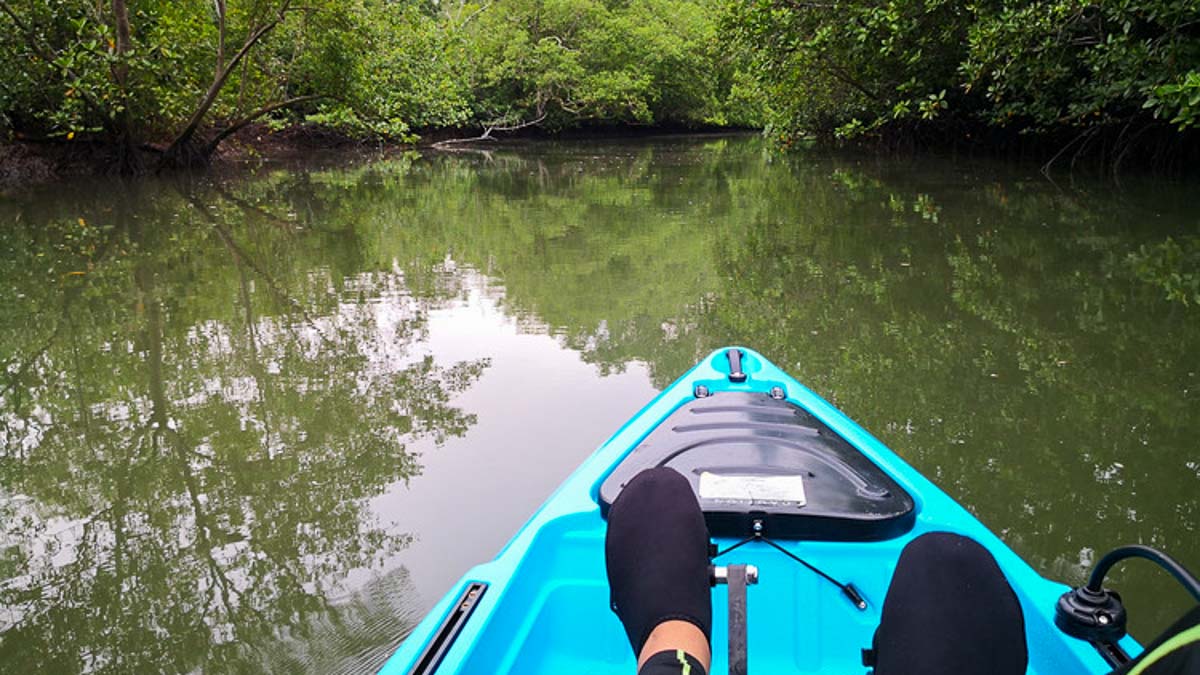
[[580, 61], [851, 68]]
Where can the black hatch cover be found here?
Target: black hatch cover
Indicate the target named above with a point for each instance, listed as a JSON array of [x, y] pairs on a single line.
[[751, 457]]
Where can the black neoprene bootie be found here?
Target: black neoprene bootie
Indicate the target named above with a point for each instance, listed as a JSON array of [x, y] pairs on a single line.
[[949, 610], [656, 553]]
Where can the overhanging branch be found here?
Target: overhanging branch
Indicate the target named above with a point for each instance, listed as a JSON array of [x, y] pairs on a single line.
[[488, 129], [265, 110], [214, 90]]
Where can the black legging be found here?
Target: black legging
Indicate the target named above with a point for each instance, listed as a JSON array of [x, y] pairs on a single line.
[[677, 662], [1182, 658]]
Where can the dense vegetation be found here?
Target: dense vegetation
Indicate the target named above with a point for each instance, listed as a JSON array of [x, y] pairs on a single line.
[[1048, 66], [187, 75], [1033, 65], [175, 79]]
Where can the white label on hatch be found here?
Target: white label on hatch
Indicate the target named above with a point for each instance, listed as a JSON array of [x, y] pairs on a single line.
[[751, 489]]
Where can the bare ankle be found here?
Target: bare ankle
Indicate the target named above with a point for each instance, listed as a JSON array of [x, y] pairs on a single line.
[[672, 635]]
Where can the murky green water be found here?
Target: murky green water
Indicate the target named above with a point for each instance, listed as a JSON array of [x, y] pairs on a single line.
[[262, 423]]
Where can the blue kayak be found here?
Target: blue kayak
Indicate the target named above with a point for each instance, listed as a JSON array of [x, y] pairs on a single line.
[[764, 454]]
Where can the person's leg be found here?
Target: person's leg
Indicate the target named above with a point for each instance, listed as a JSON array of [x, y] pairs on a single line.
[[656, 555], [676, 635], [677, 662], [949, 609]]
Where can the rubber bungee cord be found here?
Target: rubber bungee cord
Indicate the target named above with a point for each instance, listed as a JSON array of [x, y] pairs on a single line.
[[847, 590]]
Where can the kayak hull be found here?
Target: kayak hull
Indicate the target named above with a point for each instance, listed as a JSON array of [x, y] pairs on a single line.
[[545, 605]]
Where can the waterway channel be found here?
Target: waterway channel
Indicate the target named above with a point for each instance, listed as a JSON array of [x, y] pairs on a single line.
[[261, 422]]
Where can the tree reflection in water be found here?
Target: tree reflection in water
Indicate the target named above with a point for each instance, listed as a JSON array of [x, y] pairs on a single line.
[[192, 419]]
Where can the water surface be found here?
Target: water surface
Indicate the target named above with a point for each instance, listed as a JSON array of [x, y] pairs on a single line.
[[262, 423]]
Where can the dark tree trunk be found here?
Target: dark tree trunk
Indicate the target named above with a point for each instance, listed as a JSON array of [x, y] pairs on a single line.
[[128, 160], [185, 150]]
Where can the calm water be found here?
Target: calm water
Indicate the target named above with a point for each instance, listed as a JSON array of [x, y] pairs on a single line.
[[263, 423]]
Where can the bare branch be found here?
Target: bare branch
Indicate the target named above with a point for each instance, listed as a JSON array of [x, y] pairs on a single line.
[[219, 6], [472, 15], [520, 125], [488, 129]]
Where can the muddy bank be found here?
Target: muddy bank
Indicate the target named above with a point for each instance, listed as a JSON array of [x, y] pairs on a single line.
[[26, 163]]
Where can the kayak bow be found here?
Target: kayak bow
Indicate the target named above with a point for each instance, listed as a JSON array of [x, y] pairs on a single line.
[[765, 456]]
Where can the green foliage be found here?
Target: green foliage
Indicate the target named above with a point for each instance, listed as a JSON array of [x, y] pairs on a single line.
[[855, 68], [392, 69], [1050, 63], [639, 62], [850, 68], [1178, 102], [366, 66], [55, 67], [380, 67], [407, 74]]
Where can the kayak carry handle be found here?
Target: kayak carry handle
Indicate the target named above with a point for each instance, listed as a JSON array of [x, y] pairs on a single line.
[[736, 374]]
